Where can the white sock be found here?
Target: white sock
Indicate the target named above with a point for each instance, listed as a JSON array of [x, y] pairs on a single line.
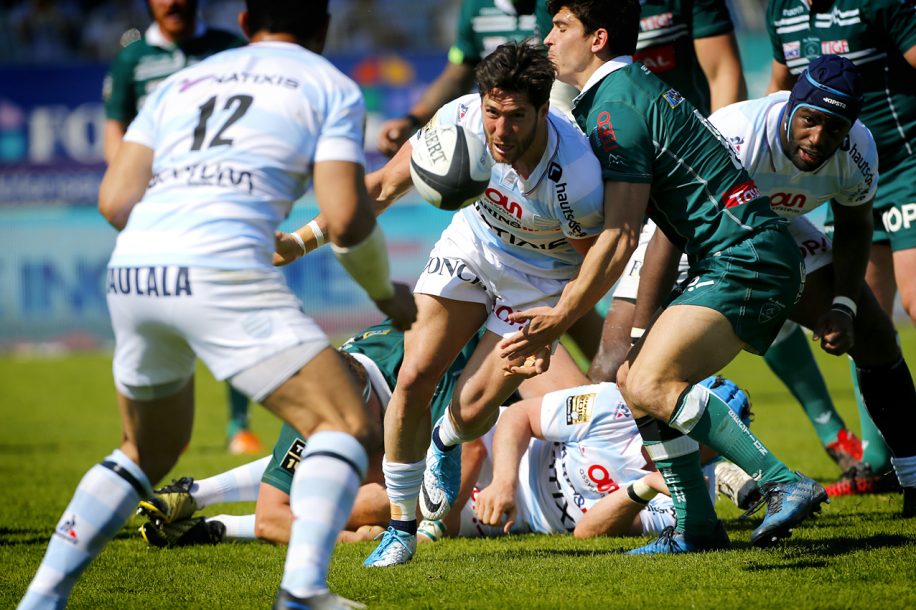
[[448, 434], [403, 482], [238, 527], [103, 502], [905, 467], [237, 485], [323, 490]]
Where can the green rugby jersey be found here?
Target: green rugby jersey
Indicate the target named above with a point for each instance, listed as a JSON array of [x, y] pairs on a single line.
[[667, 29], [644, 131], [144, 63], [483, 25], [384, 345], [873, 34]]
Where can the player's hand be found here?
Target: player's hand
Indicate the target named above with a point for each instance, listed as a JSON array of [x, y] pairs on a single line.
[[393, 134], [835, 331], [401, 308], [493, 502], [544, 325], [286, 249], [530, 366]]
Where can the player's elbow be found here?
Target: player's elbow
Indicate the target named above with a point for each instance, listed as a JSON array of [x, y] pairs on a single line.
[[111, 210]]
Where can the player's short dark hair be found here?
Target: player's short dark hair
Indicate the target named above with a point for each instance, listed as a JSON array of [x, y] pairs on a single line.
[[619, 17], [518, 67], [301, 18]]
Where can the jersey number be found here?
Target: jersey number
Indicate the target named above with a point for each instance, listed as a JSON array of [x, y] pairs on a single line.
[[243, 103]]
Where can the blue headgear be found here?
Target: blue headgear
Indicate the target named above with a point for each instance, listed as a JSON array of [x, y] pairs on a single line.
[[830, 84], [731, 395]]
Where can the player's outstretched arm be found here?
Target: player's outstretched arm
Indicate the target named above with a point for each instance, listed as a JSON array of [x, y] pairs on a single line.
[[624, 207], [125, 182], [852, 236], [514, 430], [617, 514], [357, 240]]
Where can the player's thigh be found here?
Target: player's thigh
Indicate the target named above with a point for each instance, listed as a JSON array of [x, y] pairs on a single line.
[[321, 396], [442, 329], [686, 344]]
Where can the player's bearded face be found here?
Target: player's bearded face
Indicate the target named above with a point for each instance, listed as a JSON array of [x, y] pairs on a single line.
[[814, 136], [175, 17], [510, 123]]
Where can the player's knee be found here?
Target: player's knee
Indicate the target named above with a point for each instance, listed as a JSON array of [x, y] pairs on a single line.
[[418, 381], [268, 530], [645, 394]]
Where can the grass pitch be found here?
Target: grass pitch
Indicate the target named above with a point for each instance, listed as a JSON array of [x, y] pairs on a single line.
[[60, 419]]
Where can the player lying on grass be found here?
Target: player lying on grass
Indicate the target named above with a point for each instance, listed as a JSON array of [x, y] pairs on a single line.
[[568, 462]]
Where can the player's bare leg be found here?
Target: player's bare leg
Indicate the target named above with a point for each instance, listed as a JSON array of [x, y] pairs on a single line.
[[615, 341]]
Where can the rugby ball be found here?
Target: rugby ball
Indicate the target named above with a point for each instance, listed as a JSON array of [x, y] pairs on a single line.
[[449, 167]]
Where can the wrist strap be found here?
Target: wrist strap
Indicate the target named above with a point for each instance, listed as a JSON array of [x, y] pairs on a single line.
[[298, 239], [640, 492], [415, 121], [320, 239], [846, 305]]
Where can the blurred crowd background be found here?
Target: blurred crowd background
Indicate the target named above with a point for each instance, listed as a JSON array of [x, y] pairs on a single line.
[[67, 31]]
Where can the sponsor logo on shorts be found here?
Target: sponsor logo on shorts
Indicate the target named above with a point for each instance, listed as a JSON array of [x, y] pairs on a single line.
[[741, 194], [66, 529], [379, 332], [452, 267], [293, 456], [579, 408], [834, 47], [658, 59], [673, 98], [896, 219], [791, 50], [770, 310], [696, 284], [157, 281], [810, 247], [502, 312]]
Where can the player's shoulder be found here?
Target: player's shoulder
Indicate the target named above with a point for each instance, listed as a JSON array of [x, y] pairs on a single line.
[[134, 48], [859, 154], [222, 38], [573, 148], [465, 111]]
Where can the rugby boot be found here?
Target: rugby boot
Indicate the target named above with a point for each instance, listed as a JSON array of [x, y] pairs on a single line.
[[672, 541], [396, 548], [788, 504], [170, 503], [324, 601], [187, 532], [441, 481]]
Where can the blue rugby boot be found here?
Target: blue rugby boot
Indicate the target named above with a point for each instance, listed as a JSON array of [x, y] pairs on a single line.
[[441, 480], [672, 541], [324, 601], [788, 504], [396, 548]]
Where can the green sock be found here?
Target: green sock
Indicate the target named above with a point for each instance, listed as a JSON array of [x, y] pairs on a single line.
[[874, 452], [238, 411], [719, 428], [791, 359], [685, 481]]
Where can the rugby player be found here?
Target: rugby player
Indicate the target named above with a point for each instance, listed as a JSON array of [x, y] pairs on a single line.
[[208, 169], [745, 271], [880, 38]]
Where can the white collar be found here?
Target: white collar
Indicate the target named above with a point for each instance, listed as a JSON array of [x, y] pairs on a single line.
[[621, 61], [155, 38]]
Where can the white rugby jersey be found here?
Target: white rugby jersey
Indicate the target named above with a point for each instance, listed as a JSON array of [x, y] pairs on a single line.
[[527, 221], [234, 140], [849, 176], [591, 448]]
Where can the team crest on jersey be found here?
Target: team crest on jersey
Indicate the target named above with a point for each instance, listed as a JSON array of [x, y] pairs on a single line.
[[579, 409], [462, 110], [673, 98], [293, 456], [811, 47], [791, 50], [622, 411]]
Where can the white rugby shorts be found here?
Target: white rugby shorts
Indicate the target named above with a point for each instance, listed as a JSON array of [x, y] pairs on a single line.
[[628, 284], [815, 247], [462, 268], [164, 316]]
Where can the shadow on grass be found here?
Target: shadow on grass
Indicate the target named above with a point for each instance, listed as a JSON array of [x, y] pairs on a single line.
[[830, 518], [39, 536]]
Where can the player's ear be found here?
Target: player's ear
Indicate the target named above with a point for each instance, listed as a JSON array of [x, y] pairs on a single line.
[[600, 39], [243, 24]]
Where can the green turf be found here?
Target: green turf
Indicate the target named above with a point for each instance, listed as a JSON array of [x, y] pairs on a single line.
[[60, 419]]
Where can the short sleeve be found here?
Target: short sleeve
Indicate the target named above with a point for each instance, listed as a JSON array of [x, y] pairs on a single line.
[[143, 129], [711, 18], [341, 136], [118, 91], [862, 176], [620, 138], [567, 416]]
